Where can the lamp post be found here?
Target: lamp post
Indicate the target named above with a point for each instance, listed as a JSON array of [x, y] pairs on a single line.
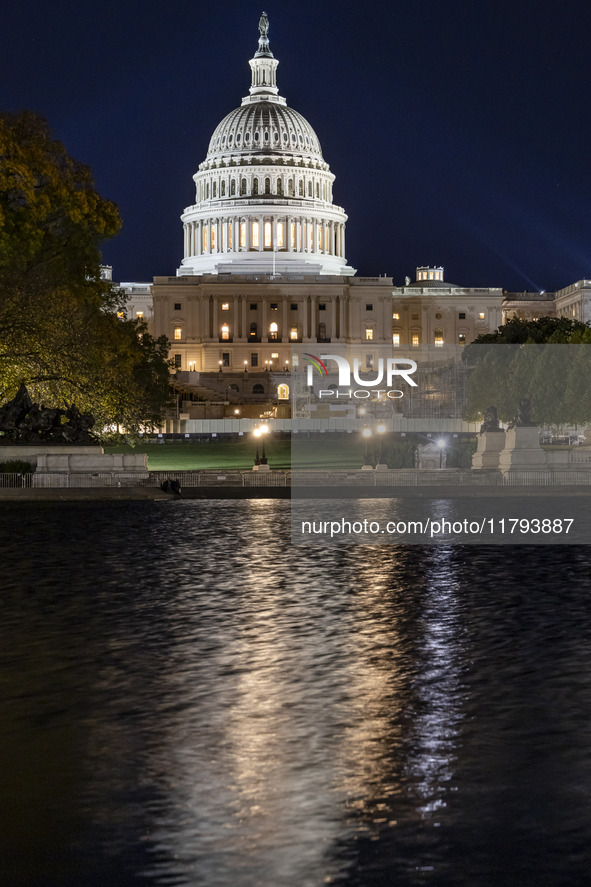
[[245, 367], [220, 365], [381, 430], [260, 461], [366, 434], [441, 445], [257, 458]]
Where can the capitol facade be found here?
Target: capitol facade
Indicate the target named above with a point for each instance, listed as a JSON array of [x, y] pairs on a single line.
[[264, 267]]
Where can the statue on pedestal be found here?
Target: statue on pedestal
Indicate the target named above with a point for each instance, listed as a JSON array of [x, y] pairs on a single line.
[[23, 421], [491, 421], [523, 417]]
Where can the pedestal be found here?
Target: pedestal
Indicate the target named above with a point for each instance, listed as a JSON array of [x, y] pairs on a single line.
[[522, 451], [490, 444]]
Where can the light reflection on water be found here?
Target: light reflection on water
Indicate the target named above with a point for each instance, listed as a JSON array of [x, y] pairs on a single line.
[[190, 700]]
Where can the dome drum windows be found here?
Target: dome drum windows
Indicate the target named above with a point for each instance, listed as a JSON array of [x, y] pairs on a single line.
[[255, 241]]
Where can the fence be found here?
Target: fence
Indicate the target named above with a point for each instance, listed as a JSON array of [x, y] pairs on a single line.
[[15, 480], [394, 478]]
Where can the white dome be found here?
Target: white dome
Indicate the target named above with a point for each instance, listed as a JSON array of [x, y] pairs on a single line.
[[263, 194], [263, 127]]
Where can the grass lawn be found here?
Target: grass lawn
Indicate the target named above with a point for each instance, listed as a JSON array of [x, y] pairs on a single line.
[[321, 451]]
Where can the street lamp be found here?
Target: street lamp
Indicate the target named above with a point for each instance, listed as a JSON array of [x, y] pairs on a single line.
[[261, 462], [220, 365], [245, 366], [441, 445], [381, 430], [366, 434], [257, 458]]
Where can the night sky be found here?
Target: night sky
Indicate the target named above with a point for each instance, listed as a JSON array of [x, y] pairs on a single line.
[[459, 130]]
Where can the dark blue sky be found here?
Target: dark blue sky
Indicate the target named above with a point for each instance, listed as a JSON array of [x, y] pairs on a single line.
[[459, 130]]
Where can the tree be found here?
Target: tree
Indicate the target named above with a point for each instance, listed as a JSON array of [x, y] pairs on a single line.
[[59, 329], [554, 376]]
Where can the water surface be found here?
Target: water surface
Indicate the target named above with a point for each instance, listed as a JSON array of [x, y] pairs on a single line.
[[187, 699]]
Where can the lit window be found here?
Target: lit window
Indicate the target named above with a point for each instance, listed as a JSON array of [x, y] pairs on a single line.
[[414, 339], [273, 328], [139, 314], [461, 339], [255, 234], [438, 337], [273, 306], [225, 331], [319, 237], [283, 392], [121, 315], [274, 354], [396, 316], [293, 333], [205, 240], [396, 339], [293, 235], [369, 334], [242, 235], [268, 235], [178, 333], [280, 235], [225, 306], [481, 315], [212, 238]]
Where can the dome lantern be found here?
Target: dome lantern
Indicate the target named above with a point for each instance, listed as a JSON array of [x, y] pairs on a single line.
[[263, 66]]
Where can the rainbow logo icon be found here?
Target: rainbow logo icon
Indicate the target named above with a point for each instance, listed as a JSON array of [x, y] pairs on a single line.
[[316, 362]]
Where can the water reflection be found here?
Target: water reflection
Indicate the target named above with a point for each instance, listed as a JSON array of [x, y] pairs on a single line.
[[206, 705]]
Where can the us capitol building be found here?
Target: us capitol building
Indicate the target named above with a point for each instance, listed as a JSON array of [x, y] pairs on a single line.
[[265, 269]]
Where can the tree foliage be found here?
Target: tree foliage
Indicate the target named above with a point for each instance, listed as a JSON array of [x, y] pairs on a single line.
[[59, 329], [555, 375]]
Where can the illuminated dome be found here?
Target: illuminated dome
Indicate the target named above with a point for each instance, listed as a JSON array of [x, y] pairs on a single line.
[[263, 194], [259, 127]]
